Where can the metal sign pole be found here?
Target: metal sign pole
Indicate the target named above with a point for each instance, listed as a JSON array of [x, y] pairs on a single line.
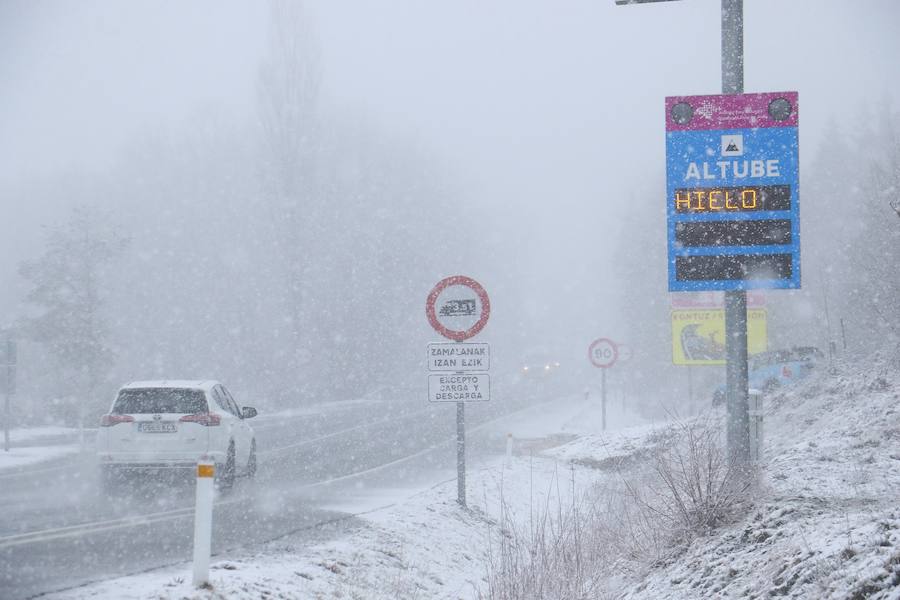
[[8, 389], [738, 428], [603, 396], [736, 384], [603, 354], [451, 307], [461, 453], [6, 418]]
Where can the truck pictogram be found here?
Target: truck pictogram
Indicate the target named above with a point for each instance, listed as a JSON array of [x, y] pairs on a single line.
[[458, 308]]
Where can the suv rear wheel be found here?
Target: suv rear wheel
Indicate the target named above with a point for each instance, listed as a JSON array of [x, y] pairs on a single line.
[[225, 475], [251, 462]]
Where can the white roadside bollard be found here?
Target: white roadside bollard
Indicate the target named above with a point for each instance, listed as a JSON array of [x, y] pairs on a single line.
[[756, 425], [509, 449], [206, 471]]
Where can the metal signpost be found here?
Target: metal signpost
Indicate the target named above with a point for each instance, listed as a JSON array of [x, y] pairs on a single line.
[[625, 356], [603, 353], [733, 215], [753, 206], [458, 308], [8, 364]]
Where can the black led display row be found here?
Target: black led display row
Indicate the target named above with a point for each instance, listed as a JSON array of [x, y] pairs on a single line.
[[741, 266], [761, 232]]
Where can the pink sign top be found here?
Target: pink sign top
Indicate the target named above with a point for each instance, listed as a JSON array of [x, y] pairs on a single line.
[[738, 111], [713, 299]]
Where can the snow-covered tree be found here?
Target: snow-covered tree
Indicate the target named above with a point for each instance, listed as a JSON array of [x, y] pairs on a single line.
[[351, 212], [67, 297], [875, 250], [288, 92], [851, 241]]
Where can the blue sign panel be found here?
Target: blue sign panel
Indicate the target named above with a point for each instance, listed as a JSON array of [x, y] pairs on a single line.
[[732, 192]]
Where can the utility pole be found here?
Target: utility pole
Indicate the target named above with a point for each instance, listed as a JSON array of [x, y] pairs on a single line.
[[8, 351], [736, 384]]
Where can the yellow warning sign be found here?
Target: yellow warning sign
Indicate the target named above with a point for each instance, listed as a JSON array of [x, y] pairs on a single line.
[[698, 335]]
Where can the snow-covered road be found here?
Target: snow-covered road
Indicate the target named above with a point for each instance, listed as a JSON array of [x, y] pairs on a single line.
[[54, 514]]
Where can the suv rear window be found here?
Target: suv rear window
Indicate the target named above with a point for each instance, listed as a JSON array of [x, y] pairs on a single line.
[[160, 400]]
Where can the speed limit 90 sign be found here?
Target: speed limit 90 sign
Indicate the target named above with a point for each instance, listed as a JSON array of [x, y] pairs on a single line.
[[603, 353]]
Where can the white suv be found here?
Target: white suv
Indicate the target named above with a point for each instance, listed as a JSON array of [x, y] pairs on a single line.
[[156, 425]]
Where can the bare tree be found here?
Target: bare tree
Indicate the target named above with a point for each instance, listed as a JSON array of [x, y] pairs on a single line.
[[852, 236], [288, 90], [67, 293], [289, 87]]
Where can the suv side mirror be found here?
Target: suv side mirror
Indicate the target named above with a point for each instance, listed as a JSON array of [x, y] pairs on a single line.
[[248, 412]]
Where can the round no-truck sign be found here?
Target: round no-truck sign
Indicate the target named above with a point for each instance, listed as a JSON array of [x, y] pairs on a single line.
[[603, 353], [458, 307]]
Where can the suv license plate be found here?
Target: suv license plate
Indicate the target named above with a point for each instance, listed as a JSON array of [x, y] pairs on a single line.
[[157, 427]]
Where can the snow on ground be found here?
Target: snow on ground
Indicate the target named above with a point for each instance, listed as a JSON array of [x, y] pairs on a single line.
[[21, 435], [33, 445], [825, 521], [419, 548], [30, 455], [318, 408], [597, 450], [420, 544]]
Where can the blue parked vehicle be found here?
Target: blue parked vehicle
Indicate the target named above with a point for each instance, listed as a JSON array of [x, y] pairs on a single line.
[[777, 368]]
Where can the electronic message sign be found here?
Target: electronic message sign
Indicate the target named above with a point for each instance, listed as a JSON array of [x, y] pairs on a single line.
[[732, 192]]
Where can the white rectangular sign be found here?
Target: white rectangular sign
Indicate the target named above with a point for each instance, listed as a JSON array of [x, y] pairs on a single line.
[[459, 357], [459, 387]]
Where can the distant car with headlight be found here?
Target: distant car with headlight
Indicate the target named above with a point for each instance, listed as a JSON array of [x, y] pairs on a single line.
[[539, 364], [158, 426]]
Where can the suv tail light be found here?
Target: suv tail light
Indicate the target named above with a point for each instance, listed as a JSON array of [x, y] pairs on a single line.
[[110, 420], [207, 419]]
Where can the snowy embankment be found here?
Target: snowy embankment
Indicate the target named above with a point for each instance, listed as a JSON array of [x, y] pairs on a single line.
[[32, 445], [823, 522]]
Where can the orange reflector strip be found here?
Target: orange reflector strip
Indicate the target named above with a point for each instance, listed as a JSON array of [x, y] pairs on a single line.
[[206, 470]]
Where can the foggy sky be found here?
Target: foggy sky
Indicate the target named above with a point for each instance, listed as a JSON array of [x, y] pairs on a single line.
[[550, 112]]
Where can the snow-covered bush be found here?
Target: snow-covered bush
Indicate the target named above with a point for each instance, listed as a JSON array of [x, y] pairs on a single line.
[[695, 488], [644, 514], [555, 554]]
